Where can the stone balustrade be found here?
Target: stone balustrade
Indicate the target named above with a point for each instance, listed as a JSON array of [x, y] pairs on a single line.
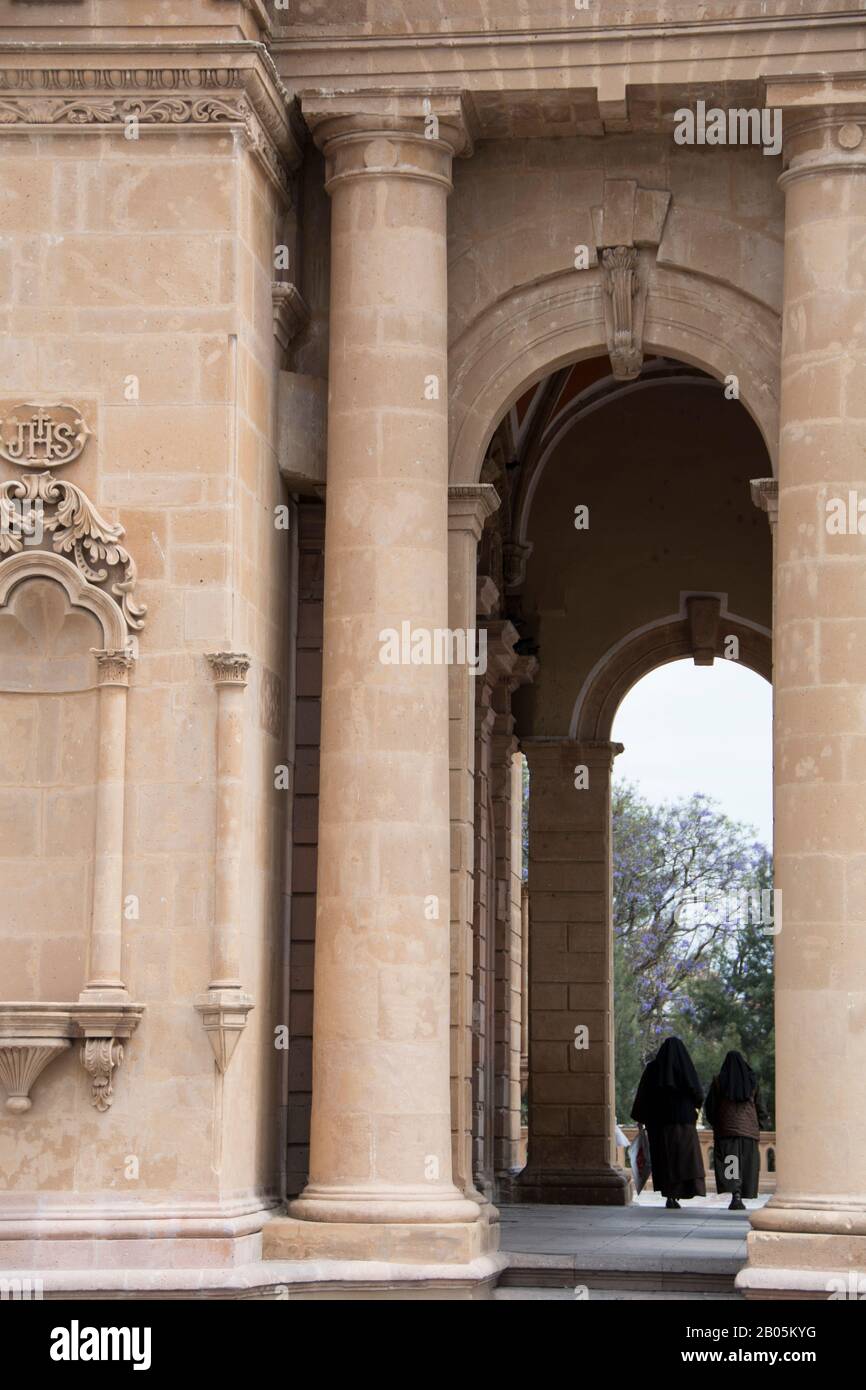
[[766, 1144]]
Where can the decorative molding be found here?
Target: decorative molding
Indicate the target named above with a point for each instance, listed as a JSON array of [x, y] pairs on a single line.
[[291, 312], [76, 529], [229, 668], [31, 564], [33, 1034], [96, 99], [52, 436], [623, 324], [652, 645], [224, 1016]]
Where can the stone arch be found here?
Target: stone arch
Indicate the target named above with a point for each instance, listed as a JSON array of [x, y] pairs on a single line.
[[645, 649], [599, 396], [45, 564], [539, 327]]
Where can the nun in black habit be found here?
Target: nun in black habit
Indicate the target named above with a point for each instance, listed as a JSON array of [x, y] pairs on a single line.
[[733, 1108], [668, 1099]]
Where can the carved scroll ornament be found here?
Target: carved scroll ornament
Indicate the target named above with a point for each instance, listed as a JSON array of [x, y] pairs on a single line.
[[42, 505]]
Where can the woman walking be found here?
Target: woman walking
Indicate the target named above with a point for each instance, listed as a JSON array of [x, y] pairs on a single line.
[[733, 1108], [667, 1102]]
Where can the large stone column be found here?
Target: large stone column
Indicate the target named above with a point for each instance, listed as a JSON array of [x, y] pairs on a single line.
[[380, 1184], [810, 1239], [572, 1153]]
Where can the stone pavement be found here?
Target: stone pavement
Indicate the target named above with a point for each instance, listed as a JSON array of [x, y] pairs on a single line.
[[638, 1251]]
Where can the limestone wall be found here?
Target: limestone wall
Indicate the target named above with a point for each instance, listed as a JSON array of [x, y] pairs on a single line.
[[136, 279]]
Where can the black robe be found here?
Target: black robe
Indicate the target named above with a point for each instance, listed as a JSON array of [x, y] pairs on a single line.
[[667, 1102]]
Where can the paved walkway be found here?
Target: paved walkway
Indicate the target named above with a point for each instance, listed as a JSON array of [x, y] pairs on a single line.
[[643, 1247]]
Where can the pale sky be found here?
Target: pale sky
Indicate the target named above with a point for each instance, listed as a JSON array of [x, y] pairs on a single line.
[[690, 728]]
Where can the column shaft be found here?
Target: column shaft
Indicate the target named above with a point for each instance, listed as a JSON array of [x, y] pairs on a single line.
[[106, 923], [572, 1155], [815, 1224], [380, 1153]]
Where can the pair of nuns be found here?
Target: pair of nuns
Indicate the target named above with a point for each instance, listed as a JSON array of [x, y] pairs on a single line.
[[668, 1099]]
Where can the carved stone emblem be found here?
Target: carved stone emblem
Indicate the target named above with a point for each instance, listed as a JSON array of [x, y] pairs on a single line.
[[42, 436]]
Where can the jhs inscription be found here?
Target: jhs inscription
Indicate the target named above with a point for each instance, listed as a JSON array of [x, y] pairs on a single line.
[[42, 436]]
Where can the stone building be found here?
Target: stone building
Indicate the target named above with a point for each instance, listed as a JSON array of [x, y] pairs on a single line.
[[387, 385]]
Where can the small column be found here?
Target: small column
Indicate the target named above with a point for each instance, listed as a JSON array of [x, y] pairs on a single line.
[[104, 1013], [380, 1183], [468, 508], [225, 1006], [572, 1154], [810, 1239], [104, 982], [507, 795]]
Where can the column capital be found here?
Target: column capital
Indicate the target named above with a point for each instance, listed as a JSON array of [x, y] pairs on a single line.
[[114, 666], [229, 668], [551, 754], [387, 134], [823, 125], [765, 496], [469, 506]]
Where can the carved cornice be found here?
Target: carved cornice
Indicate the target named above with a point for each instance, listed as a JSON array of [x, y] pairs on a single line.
[[70, 525], [160, 99]]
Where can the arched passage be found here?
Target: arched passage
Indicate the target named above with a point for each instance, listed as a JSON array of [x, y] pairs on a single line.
[[538, 328], [675, 563]]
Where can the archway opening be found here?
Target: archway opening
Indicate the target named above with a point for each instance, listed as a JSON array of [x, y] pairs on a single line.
[[694, 916], [625, 539]]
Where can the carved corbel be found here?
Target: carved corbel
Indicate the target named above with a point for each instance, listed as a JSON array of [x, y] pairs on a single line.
[[623, 311], [224, 1017], [103, 1026], [22, 1061], [32, 1035], [291, 312], [765, 495], [703, 613], [99, 1057], [629, 218], [514, 557]]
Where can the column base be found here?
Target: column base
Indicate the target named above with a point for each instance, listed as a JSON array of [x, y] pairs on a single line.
[[581, 1187], [412, 1243], [801, 1249]]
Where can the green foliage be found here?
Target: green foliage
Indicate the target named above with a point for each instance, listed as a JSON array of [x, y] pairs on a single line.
[[703, 972]]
